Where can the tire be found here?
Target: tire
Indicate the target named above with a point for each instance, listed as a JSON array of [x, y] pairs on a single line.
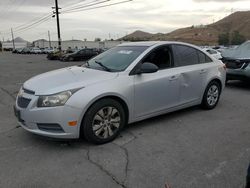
[[98, 127], [70, 59], [211, 95]]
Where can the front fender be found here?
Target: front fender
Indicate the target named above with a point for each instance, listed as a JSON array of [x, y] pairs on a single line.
[[86, 97]]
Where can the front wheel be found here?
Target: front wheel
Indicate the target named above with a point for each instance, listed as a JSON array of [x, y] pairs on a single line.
[[103, 121], [70, 59], [212, 95]]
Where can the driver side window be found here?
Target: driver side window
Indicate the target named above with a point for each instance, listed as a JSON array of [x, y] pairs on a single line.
[[161, 57]]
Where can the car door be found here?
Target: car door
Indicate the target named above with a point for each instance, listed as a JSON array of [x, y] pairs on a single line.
[[192, 72], [156, 92], [79, 55], [88, 54]]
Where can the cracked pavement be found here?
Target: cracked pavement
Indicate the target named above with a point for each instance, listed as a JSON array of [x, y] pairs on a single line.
[[188, 148]]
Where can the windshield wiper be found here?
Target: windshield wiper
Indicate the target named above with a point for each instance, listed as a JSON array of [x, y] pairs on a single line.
[[103, 66]]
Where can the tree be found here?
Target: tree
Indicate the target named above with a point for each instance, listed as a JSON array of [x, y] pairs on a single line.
[[237, 38], [224, 39]]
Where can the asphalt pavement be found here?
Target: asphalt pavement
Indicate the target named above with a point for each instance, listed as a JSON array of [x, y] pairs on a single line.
[[189, 148]]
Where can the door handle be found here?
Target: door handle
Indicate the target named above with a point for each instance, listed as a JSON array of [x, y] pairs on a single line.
[[173, 78], [202, 71]]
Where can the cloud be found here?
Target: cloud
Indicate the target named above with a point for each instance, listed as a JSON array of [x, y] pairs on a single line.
[[218, 1], [151, 16]]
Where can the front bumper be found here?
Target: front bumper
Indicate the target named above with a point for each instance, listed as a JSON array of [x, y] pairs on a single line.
[[50, 122], [238, 74]]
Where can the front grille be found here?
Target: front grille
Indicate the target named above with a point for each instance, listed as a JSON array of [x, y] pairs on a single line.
[[50, 127], [232, 64], [23, 102]]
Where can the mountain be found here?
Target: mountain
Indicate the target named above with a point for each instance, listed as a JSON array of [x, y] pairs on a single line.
[[203, 34], [19, 39], [140, 35]]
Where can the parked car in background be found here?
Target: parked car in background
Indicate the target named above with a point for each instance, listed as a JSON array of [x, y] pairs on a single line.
[[125, 84], [56, 55], [80, 55], [220, 48], [25, 51], [216, 54], [99, 50], [35, 50], [237, 62], [17, 50], [48, 50], [70, 50], [14, 51]]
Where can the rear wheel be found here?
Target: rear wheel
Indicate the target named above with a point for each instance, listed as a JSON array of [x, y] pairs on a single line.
[[71, 59], [212, 95], [103, 121]]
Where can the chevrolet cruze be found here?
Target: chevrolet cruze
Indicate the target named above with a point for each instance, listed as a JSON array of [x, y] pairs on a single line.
[[125, 84]]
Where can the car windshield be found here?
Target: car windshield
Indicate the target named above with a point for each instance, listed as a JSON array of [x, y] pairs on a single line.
[[116, 59]]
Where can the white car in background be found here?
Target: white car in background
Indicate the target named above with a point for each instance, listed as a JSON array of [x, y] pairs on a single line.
[[216, 54], [48, 50], [35, 50]]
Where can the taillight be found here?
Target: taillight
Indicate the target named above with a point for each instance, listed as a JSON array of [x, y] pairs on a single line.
[[224, 66]]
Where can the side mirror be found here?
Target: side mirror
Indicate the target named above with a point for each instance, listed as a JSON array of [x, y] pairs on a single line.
[[147, 68]]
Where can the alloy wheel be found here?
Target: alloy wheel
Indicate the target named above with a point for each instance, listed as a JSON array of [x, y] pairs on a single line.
[[106, 122], [212, 95]]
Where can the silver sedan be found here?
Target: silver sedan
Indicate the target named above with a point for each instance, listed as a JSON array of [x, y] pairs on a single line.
[[125, 84]]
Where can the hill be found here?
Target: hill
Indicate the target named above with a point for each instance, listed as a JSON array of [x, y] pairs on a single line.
[[138, 35], [203, 34], [19, 39]]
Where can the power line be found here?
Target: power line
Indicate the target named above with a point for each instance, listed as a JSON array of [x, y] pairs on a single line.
[[85, 6], [38, 19], [88, 6], [27, 23], [74, 4], [97, 7], [33, 20], [35, 24]]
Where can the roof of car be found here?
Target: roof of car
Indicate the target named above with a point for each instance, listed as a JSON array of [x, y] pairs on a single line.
[[148, 43], [151, 43]]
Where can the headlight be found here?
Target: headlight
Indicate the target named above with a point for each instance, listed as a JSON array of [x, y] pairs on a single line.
[[58, 99], [20, 93]]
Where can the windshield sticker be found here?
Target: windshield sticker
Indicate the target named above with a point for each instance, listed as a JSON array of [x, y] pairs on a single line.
[[127, 52]]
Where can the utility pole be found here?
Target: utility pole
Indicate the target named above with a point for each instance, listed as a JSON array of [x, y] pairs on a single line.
[[58, 25], [49, 39], [13, 39]]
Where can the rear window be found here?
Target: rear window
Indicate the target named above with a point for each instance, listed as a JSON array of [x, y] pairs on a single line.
[[184, 55], [203, 58]]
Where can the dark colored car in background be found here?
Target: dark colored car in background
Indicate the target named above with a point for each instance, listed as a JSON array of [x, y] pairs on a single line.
[[55, 55], [26, 51], [80, 55], [237, 62]]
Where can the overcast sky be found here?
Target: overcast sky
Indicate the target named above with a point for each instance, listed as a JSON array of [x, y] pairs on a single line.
[[148, 15]]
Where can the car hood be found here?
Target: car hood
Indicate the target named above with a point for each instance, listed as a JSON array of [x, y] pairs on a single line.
[[66, 79], [241, 52]]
